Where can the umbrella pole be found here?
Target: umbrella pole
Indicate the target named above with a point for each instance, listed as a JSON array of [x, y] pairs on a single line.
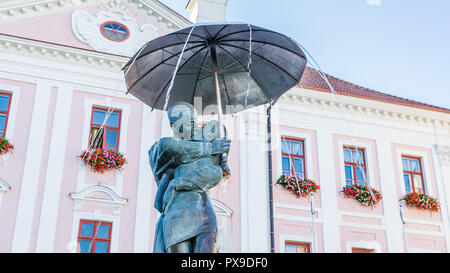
[[219, 106]]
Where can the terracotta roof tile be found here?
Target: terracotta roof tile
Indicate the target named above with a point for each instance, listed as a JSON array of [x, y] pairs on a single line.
[[312, 80]]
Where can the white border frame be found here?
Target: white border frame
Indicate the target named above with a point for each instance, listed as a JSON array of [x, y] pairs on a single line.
[[368, 154], [426, 170], [15, 92], [294, 238], [307, 140], [375, 246]]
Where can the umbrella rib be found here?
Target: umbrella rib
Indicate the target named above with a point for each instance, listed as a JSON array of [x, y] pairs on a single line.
[[163, 48], [226, 89], [198, 74], [215, 36], [170, 79], [253, 31], [260, 86], [266, 43], [279, 67], [174, 55]]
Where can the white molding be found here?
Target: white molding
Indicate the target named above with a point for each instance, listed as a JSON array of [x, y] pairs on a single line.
[[307, 140], [4, 187], [244, 188], [15, 91], [375, 246], [368, 152], [81, 198], [145, 183], [114, 199], [55, 168], [364, 106], [85, 26], [282, 238], [426, 170], [391, 209], [107, 102], [329, 194], [32, 166], [220, 208], [423, 250], [150, 8], [96, 216]]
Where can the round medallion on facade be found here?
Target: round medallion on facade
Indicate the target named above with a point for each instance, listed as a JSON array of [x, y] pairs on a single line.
[[114, 31]]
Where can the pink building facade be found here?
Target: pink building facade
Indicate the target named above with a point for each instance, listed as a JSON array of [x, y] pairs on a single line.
[[60, 65]]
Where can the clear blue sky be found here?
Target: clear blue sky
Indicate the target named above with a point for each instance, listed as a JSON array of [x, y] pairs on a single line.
[[399, 47]]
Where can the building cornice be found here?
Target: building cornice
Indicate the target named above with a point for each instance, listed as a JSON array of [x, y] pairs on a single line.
[[297, 95], [21, 9], [377, 109], [57, 51]]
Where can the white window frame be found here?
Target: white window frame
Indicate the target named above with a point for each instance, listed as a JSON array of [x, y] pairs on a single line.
[[368, 154], [81, 199], [11, 121], [283, 238], [424, 159], [375, 246], [307, 141]]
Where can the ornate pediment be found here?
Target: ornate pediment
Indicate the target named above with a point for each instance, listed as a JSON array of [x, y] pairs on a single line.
[[4, 186], [99, 194], [220, 208], [112, 31]]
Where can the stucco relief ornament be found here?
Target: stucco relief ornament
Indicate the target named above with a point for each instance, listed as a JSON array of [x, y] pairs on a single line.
[[87, 28]]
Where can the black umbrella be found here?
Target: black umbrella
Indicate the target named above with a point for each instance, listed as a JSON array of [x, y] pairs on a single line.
[[233, 65], [227, 64]]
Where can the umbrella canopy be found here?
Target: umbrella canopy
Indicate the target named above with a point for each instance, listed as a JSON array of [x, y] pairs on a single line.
[[253, 65]]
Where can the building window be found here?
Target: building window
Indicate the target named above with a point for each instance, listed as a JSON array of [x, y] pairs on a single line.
[[293, 157], [297, 247], [355, 166], [412, 174], [5, 104], [94, 236], [361, 250], [108, 136], [114, 31]]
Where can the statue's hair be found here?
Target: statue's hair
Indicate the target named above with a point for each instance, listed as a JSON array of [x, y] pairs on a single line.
[[173, 118]]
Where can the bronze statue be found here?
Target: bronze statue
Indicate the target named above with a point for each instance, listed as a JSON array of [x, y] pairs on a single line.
[[185, 167]]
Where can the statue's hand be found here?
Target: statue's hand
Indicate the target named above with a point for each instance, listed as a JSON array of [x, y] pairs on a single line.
[[220, 146], [225, 168]]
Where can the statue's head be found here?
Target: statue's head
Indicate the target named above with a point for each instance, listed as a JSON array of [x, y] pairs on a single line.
[[183, 120]]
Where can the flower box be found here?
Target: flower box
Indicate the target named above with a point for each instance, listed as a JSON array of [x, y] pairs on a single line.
[[5, 149], [301, 187], [102, 160], [362, 194], [421, 201], [5, 146]]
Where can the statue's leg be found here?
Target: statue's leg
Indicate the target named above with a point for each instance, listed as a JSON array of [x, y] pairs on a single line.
[[181, 247], [205, 242]]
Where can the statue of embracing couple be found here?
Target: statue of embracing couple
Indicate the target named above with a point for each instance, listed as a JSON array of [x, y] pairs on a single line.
[[185, 167]]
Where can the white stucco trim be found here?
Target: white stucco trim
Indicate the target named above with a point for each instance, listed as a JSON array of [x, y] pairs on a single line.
[[30, 178], [368, 153], [82, 198], [15, 91], [328, 192], [55, 168], [4, 187], [145, 184], [96, 216], [282, 238], [426, 170], [375, 246], [307, 140], [107, 102]]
